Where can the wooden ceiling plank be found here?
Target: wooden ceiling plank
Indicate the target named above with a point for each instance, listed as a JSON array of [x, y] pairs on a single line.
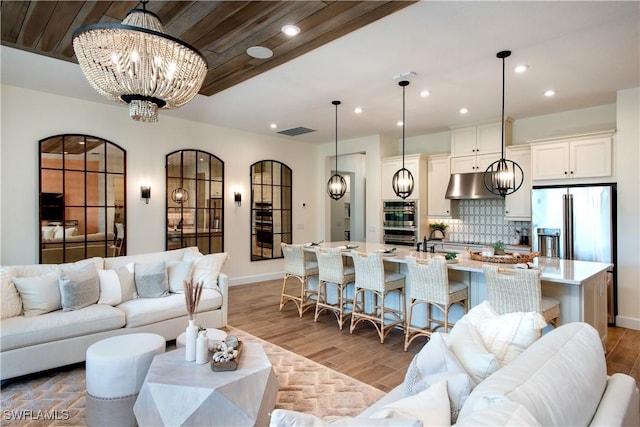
[[212, 20], [59, 24], [38, 19], [171, 10], [90, 13], [118, 9], [13, 14], [188, 17]]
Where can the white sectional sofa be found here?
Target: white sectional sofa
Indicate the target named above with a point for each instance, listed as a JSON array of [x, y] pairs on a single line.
[[559, 380], [32, 342]]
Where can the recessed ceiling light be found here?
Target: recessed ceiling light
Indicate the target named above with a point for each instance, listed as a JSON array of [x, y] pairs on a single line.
[[273, 126], [357, 110], [464, 110], [291, 30], [425, 93], [399, 123], [549, 92], [521, 68], [259, 52]]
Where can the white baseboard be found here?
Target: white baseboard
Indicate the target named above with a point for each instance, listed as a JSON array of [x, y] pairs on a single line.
[[628, 322], [243, 280]]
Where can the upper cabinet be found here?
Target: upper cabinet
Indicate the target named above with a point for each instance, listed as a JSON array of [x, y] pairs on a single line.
[[438, 173], [517, 206], [588, 156], [416, 164], [474, 148]]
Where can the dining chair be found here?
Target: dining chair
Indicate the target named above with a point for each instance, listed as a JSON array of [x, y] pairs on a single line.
[[299, 265], [429, 284], [372, 278], [518, 290], [334, 272]]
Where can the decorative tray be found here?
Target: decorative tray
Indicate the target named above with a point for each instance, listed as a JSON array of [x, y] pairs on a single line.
[[507, 258], [230, 365]]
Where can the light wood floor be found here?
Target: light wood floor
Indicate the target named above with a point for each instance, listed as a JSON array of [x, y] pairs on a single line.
[[254, 309]]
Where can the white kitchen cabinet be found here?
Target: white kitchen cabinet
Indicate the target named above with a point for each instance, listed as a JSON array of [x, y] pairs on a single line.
[[438, 173], [517, 206], [588, 156], [416, 164], [474, 148]]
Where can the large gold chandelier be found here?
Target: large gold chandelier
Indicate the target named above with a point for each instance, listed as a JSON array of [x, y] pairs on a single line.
[[136, 63]]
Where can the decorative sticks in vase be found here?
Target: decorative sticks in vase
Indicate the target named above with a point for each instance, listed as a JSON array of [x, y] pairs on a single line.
[[192, 296]]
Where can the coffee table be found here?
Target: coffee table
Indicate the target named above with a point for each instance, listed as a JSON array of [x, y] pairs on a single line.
[[180, 393]]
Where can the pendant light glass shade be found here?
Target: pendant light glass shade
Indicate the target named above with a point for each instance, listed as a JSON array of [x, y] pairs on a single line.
[[336, 186], [503, 177], [136, 63], [402, 181]]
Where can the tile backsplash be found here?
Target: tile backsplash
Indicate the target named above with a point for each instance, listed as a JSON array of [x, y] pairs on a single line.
[[483, 221]]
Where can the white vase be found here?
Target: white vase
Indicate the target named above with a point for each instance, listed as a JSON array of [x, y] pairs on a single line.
[[202, 348], [190, 341]]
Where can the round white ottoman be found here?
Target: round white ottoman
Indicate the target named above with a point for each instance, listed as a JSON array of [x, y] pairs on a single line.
[[115, 370]]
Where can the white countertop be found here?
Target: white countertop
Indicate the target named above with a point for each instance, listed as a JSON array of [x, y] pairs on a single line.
[[552, 269]]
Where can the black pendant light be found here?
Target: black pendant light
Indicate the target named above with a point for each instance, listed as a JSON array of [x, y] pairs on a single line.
[[503, 176], [402, 181], [337, 186]]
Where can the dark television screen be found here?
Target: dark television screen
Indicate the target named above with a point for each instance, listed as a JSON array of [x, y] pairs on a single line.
[[52, 206]]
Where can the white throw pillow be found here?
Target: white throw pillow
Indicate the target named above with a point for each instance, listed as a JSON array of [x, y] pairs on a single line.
[[430, 406], [47, 231], [467, 345], [39, 294], [79, 287], [10, 298], [178, 272], [206, 268], [435, 363], [151, 280], [286, 418], [58, 232], [117, 285], [71, 231]]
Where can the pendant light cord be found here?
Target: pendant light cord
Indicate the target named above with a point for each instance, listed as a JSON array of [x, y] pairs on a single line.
[[502, 123], [403, 125], [336, 103]]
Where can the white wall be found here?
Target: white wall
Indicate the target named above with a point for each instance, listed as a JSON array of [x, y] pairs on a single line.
[[28, 116]]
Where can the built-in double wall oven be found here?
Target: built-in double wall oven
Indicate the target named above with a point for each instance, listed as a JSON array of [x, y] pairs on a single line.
[[400, 223]]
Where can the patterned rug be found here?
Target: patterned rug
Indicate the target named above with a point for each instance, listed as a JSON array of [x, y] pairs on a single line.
[[56, 398]]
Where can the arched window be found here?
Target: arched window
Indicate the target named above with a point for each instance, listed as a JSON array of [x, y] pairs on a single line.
[[195, 203], [82, 198], [270, 209]]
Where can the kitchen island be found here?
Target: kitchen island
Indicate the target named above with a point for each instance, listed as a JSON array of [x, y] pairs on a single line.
[[580, 286]]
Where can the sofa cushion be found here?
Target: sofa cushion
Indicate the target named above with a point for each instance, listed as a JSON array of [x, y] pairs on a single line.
[[151, 280], [11, 304], [206, 268], [434, 364], [23, 331], [430, 406], [560, 378], [286, 418], [144, 311], [499, 413], [39, 294], [117, 285], [178, 272], [79, 287], [466, 343]]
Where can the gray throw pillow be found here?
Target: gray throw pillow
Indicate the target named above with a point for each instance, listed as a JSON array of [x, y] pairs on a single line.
[[151, 280], [79, 287]]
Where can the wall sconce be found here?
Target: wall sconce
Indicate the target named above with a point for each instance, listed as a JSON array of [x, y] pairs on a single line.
[[145, 193], [237, 197]]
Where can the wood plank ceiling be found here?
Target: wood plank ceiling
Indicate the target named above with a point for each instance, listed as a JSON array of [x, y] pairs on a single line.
[[221, 30]]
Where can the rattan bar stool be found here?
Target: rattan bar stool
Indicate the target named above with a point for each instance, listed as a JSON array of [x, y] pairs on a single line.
[[372, 277], [513, 290], [300, 265], [429, 284], [333, 271]]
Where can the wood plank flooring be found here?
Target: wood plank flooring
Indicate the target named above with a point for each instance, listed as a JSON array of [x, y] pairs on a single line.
[[254, 309]]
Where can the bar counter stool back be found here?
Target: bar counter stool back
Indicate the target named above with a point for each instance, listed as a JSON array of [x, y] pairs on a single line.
[[429, 284], [333, 271], [518, 290], [372, 277], [299, 265]]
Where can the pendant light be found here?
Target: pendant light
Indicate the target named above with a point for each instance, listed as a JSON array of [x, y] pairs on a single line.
[[503, 176], [337, 186], [402, 181]]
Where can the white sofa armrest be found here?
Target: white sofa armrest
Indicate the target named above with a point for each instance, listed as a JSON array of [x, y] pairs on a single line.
[[619, 403], [223, 284]]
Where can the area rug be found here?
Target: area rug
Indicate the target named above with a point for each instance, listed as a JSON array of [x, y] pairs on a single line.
[[56, 398]]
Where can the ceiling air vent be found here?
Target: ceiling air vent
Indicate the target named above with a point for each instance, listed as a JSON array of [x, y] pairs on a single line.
[[296, 131]]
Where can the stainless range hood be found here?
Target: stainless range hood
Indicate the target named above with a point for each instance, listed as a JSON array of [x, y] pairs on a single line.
[[466, 186]]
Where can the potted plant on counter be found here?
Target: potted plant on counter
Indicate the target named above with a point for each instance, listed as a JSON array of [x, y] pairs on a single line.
[[499, 247], [437, 230]]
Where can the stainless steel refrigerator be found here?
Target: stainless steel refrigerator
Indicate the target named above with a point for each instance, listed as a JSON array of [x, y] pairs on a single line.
[[579, 223]]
